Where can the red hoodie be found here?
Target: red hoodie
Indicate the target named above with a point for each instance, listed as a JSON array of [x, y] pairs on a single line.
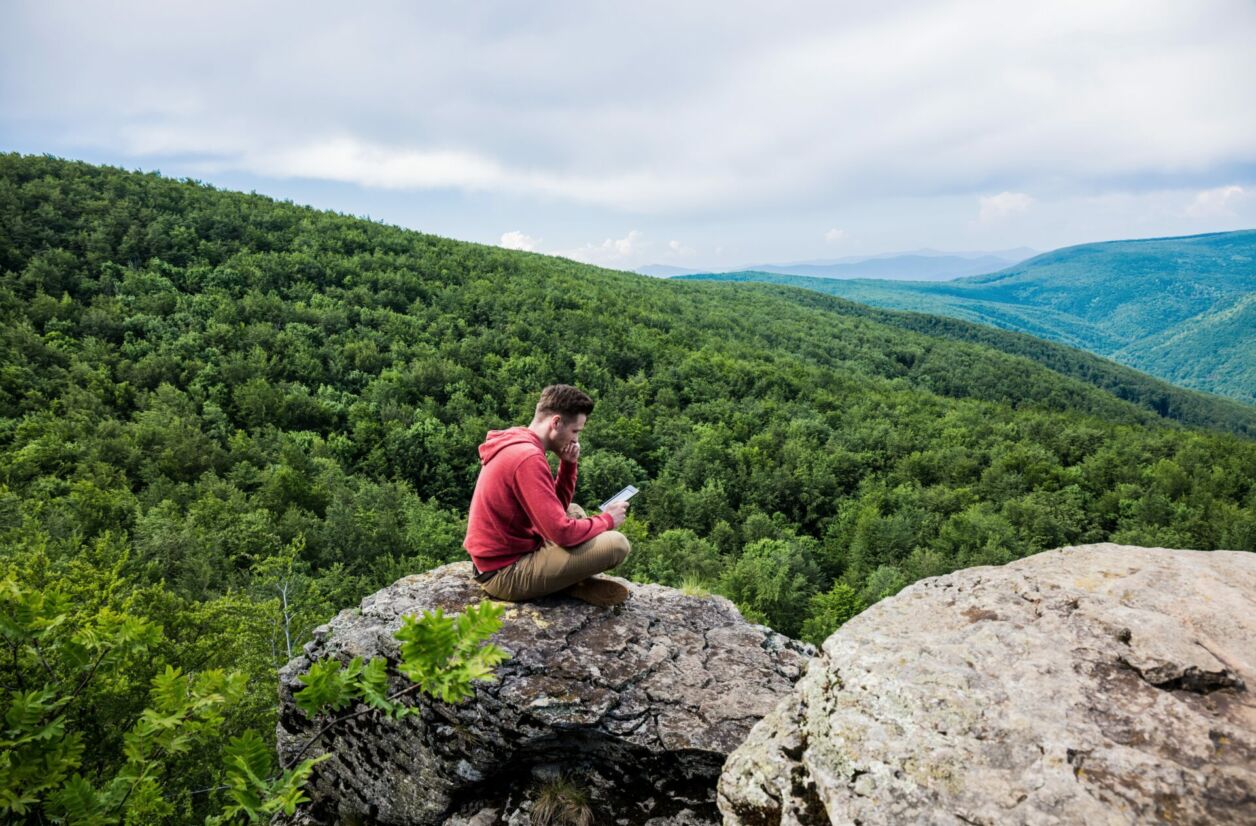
[[518, 505]]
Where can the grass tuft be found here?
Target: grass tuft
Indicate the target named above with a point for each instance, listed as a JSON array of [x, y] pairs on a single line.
[[560, 802], [692, 586]]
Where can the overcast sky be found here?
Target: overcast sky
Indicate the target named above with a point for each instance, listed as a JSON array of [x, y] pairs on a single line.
[[694, 134]]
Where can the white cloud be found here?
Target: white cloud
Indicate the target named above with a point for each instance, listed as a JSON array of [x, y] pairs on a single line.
[[516, 240], [675, 249], [755, 116], [347, 159], [624, 246], [1216, 203], [834, 235], [612, 252], [997, 207]]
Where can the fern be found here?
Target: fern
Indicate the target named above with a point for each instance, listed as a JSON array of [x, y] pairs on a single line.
[[41, 761], [442, 656], [80, 803], [446, 655], [328, 685], [254, 793], [374, 687]]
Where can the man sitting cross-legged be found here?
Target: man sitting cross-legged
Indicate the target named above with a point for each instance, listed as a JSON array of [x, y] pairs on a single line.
[[525, 537]]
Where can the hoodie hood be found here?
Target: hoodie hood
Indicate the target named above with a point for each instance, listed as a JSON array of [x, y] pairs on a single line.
[[497, 440]]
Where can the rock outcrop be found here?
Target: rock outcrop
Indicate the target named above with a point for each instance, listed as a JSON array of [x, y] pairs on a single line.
[[1097, 684], [635, 708]]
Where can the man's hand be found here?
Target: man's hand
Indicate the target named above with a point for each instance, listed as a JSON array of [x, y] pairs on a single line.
[[618, 511], [571, 453]]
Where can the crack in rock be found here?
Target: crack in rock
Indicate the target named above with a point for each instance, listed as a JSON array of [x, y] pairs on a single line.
[[640, 702]]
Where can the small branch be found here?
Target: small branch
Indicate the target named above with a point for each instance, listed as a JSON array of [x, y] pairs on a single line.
[[17, 671], [287, 619], [81, 685], [39, 652], [122, 803], [90, 674]]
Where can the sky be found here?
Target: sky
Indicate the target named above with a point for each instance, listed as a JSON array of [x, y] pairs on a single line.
[[698, 134]]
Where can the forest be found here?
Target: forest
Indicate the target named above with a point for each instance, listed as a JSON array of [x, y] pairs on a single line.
[[1181, 308], [224, 418]]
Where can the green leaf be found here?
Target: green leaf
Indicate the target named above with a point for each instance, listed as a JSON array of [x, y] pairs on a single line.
[[28, 708], [374, 684], [81, 803], [426, 644], [442, 654], [249, 754], [328, 686], [289, 791], [170, 691], [247, 762]]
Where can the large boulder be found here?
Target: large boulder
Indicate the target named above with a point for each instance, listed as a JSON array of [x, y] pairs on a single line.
[[627, 714], [1102, 684]]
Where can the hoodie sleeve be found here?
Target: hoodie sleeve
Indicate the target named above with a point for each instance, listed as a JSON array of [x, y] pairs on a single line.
[[548, 515], [565, 484]]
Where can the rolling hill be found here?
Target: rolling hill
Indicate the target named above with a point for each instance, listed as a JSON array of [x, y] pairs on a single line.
[[920, 265], [904, 267], [1178, 308], [223, 418]]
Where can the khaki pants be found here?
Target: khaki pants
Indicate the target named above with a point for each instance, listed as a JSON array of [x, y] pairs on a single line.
[[552, 567]]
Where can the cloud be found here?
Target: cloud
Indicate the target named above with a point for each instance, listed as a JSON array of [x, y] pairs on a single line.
[[350, 160], [676, 249], [1216, 203], [612, 252], [624, 246], [801, 108], [516, 240], [347, 159], [997, 207], [834, 235]]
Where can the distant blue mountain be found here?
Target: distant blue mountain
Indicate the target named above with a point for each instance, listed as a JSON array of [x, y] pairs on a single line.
[[897, 268], [918, 265], [1182, 309], [664, 271]]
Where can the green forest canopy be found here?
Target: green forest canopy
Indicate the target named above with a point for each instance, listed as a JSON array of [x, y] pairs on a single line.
[[232, 416], [1183, 309]]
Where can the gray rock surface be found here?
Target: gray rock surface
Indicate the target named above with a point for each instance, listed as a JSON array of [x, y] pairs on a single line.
[[1102, 684], [638, 706]]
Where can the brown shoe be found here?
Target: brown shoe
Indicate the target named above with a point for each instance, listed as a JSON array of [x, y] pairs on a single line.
[[604, 593]]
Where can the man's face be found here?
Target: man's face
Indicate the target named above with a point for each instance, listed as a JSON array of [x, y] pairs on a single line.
[[566, 432]]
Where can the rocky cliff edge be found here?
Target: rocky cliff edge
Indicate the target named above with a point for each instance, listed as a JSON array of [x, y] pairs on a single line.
[[629, 713], [1102, 684]]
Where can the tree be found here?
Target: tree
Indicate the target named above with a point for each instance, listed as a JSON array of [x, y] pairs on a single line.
[[829, 611], [771, 582], [46, 770], [675, 555]]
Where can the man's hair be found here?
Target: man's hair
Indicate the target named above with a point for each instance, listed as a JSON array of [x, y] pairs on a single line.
[[565, 400]]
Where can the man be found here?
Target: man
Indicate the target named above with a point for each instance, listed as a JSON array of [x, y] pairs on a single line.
[[525, 537]]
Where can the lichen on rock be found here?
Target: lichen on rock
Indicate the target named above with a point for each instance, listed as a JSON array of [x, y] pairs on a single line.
[[638, 705], [1095, 684]]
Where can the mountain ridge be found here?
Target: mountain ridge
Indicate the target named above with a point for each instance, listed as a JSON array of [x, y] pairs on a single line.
[[1118, 299], [926, 264], [210, 400]]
